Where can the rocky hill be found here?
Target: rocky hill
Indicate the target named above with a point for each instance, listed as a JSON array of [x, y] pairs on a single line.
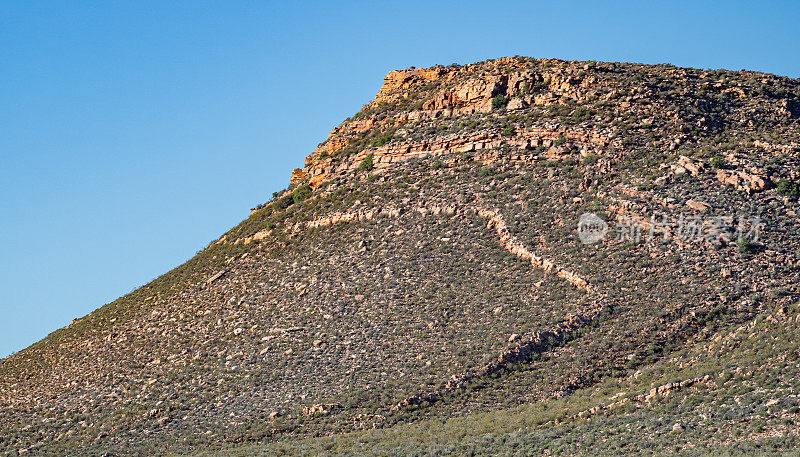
[[562, 257]]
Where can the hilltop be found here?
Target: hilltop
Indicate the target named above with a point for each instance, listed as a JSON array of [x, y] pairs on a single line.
[[423, 284]]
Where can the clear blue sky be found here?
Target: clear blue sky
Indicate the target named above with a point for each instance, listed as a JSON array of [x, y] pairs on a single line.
[[133, 133]]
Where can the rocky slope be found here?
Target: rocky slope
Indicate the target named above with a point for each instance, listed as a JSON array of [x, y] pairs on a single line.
[[427, 263]]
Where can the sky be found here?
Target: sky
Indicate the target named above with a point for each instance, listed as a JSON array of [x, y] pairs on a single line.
[[134, 133]]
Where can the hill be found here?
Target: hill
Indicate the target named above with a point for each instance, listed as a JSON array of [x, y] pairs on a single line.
[[563, 257]]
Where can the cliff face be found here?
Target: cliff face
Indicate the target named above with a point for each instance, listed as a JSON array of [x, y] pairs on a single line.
[[587, 238], [674, 100], [419, 95]]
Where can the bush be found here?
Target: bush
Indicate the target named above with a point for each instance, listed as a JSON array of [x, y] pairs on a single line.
[[283, 202], [499, 101], [591, 159], [367, 164], [383, 139], [718, 162], [579, 115], [788, 188], [301, 193], [745, 246]]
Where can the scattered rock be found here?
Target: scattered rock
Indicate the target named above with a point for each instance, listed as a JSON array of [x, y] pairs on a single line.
[[698, 206], [322, 409], [216, 276], [747, 182]]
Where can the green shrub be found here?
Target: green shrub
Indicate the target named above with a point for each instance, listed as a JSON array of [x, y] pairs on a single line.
[[301, 193], [655, 348], [578, 115], [718, 162], [591, 159], [499, 101], [367, 164], [383, 139], [745, 246], [789, 188], [284, 202]]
